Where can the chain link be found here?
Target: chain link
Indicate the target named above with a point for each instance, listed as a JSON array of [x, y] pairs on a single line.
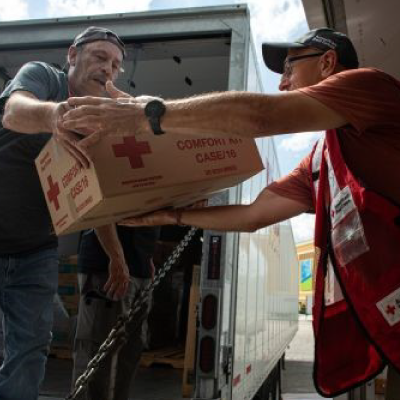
[[120, 332]]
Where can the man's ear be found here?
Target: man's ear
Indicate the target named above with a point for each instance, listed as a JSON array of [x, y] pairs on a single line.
[[72, 54], [328, 63]]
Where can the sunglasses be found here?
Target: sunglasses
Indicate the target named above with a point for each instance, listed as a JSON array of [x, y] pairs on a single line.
[[288, 67]]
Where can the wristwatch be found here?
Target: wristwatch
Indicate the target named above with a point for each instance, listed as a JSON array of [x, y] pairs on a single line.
[[154, 110]]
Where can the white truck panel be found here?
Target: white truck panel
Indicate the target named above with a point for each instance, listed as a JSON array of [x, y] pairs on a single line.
[[267, 286]]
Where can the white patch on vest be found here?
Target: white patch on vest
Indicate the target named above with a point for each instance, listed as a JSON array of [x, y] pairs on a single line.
[[316, 162], [341, 205], [333, 293], [333, 184], [317, 157], [390, 307]]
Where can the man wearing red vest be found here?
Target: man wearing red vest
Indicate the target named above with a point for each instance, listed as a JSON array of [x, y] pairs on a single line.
[[350, 180]]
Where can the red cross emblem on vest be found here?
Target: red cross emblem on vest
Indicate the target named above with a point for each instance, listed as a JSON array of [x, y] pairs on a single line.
[[53, 192], [132, 149], [390, 310]]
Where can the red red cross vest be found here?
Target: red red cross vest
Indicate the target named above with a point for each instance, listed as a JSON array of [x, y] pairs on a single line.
[[356, 313]]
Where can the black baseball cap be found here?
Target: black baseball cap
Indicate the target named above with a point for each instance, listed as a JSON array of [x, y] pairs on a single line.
[[324, 39], [95, 33]]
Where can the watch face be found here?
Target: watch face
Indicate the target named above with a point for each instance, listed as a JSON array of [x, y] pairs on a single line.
[[154, 108]]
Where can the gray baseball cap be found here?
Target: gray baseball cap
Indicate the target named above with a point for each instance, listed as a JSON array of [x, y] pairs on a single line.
[[94, 33]]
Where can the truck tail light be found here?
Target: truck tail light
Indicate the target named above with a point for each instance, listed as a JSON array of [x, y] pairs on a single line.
[[214, 258], [207, 354], [209, 311]]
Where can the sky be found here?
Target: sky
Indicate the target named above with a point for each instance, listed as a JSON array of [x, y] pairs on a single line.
[[271, 20]]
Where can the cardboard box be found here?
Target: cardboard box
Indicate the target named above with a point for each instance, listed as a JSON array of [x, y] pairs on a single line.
[[132, 175]]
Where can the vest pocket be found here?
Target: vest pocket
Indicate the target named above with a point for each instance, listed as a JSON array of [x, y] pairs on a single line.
[[348, 238]]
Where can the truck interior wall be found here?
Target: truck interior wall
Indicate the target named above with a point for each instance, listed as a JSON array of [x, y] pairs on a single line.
[[172, 69], [373, 29]]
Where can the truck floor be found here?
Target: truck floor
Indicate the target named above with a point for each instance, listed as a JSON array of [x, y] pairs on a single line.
[[58, 380]]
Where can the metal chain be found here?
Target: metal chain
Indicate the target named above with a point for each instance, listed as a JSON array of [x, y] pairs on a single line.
[[119, 333]]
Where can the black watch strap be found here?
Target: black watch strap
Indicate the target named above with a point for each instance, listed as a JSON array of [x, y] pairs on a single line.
[[155, 124]]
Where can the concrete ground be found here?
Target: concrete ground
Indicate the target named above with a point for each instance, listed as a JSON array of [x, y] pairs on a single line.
[[297, 382]]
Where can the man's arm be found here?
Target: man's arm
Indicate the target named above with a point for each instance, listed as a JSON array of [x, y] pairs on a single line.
[[249, 114], [24, 113], [269, 208], [227, 113], [118, 280]]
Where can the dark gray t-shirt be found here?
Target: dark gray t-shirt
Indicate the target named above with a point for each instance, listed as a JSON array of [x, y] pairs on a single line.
[[138, 245], [25, 224]]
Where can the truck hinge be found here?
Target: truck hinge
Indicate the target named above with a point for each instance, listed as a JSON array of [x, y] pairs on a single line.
[[227, 363]]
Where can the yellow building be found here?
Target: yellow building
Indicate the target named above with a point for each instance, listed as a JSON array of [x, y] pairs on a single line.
[[305, 255]]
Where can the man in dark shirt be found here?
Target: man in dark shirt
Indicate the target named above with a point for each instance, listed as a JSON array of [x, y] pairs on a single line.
[[98, 313], [31, 108]]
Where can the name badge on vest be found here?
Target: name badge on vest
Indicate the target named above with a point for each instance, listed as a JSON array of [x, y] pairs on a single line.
[[341, 206]]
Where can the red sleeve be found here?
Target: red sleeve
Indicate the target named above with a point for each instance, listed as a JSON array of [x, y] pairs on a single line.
[[296, 185], [366, 97]]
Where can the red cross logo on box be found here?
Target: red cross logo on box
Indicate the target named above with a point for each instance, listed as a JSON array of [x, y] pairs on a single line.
[[53, 192], [132, 149]]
